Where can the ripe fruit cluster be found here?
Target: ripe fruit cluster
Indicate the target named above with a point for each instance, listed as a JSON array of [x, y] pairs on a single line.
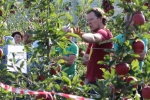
[[128, 81], [107, 5]]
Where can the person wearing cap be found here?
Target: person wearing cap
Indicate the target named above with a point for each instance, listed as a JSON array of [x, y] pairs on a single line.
[[18, 37]]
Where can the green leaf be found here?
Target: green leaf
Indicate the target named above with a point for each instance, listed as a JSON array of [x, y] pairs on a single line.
[[75, 79], [73, 35], [137, 96], [106, 74], [148, 58], [137, 1], [30, 31], [135, 65], [147, 36], [22, 64], [2, 66], [11, 74], [66, 80], [113, 72], [61, 61], [57, 86], [107, 57], [127, 43], [134, 55], [127, 58], [69, 17], [144, 7], [101, 62], [90, 1], [60, 2], [111, 62]]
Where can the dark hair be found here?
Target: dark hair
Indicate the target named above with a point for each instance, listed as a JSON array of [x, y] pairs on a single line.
[[19, 33], [99, 13]]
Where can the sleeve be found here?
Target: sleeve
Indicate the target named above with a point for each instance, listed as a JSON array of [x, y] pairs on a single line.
[[35, 44], [145, 45], [106, 34], [120, 38], [115, 46], [74, 50]]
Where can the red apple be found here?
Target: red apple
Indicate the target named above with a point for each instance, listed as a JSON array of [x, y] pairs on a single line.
[[41, 77], [106, 4], [108, 8], [138, 46], [131, 78], [105, 10], [12, 11], [29, 28], [82, 83], [1, 53], [146, 92], [146, 4], [112, 7], [67, 8], [39, 20], [0, 12], [44, 96], [65, 88], [53, 71], [139, 19], [122, 68]]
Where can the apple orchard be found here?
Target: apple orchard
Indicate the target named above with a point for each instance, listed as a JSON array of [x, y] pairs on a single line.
[[45, 18]]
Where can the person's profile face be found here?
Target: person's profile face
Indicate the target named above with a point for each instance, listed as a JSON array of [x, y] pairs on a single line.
[[27, 38], [93, 21]]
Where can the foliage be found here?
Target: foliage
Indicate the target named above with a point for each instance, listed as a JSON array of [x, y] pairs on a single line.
[[44, 19]]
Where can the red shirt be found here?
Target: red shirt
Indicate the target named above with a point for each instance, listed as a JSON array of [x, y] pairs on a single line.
[[98, 53], [88, 48]]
